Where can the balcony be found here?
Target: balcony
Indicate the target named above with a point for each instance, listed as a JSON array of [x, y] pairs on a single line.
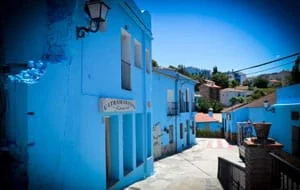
[[172, 108]]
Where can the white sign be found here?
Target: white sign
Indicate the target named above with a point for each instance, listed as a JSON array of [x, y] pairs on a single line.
[[116, 105]]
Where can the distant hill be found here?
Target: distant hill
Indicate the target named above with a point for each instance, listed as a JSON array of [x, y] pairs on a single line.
[[281, 76]]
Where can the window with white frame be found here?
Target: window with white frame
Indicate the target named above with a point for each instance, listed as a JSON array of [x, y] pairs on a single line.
[[148, 61], [125, 62], [137, 54]]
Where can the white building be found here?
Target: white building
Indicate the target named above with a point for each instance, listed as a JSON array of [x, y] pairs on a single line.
[[228, 93]]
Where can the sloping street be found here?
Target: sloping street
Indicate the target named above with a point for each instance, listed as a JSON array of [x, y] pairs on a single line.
[[195, 168]]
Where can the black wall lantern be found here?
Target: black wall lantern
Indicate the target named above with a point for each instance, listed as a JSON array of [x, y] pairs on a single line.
[[97, 11]]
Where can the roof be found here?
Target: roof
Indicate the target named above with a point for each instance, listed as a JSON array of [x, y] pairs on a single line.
[[255, 104], [172, 73], [203, 118], [232, 90], [260, 102], [229, 109]]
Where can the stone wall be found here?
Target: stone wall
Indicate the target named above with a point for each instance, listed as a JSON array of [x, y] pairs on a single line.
[[259, 165]]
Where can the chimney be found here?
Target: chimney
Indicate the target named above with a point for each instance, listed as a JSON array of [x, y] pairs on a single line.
[[210, 112]]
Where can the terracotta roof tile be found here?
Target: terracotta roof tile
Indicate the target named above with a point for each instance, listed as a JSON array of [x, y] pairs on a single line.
[[204, 117]]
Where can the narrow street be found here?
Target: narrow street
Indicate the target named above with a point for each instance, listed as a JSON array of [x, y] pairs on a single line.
[[195, 168]]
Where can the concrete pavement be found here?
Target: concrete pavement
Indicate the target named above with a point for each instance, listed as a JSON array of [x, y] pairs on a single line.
[[194, 168]]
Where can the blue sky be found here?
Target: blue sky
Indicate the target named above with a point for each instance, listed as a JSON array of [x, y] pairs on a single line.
[[228, 34]]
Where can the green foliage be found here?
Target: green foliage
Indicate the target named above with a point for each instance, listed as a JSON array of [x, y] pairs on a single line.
[[215, 70], [204, 104], [258, 93], [209, 134], [233, 84], [260, 82], [172, 67], [221, 79], [295, 75], [154, 63], [238, 99]]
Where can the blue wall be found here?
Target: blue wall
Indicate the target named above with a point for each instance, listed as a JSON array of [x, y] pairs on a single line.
[[288, 101], [67, 130], [213, 126], [162, 81]]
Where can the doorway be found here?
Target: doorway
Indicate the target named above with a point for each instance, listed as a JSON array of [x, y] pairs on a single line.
[[107, 148], [156, 141], [187, 133], [296, 141]]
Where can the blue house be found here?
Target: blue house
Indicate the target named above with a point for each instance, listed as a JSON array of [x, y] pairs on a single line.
[[196, 71], [172, 112], [207, 122], [86, 123], [283, 113]]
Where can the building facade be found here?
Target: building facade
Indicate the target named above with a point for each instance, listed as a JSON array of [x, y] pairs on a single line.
[[238, 76], [173, 112], [196, 72], [283, 113], [87, 123], [209, 90], [228, 93]]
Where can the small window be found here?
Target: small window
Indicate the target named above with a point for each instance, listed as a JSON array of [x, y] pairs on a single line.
[[181, 131], [148, 61], [137, 54], [125, 60]]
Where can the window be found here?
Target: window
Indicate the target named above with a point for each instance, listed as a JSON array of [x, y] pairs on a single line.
[[148, 61], [187, 100], [193, 127], [137, 54], [181, 131], [125, 62], [171, 134]]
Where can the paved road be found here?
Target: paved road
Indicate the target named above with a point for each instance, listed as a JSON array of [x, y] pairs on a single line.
[[195, 168]]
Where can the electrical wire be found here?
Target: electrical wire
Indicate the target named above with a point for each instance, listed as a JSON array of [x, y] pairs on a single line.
[[270, 68], [269, 62]]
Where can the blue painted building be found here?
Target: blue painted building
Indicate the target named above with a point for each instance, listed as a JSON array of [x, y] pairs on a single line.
[[283, 113], [87, 123], [207, 122], [196, 72], [173, 112]]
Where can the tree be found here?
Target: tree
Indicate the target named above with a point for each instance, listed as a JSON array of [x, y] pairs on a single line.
[[260, 82], [221, 79], [295, 75], [234, 83], [154, 63], [172, 67], [204, 104], [215, 70]]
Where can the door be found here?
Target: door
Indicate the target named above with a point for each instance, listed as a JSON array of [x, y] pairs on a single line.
[[156, 141], [107, 148], [296, 141], [187, 133]]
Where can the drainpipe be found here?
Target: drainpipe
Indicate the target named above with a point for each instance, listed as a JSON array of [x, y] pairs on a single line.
[[145, 107], [176, 116]]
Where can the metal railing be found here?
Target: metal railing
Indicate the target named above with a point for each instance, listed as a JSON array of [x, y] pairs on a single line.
[[172, 108], [231, 175], [126, 75], [284, 174]]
